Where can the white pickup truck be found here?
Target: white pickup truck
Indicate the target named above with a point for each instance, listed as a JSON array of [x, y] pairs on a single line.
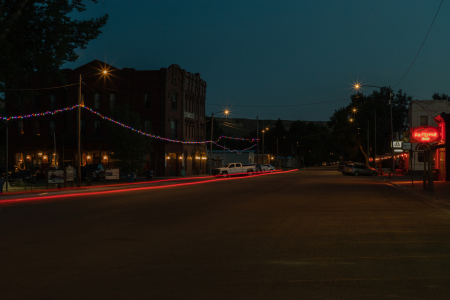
[[235, 168]]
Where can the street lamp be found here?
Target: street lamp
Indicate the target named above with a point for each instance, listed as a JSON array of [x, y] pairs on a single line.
[[374, 112], [264, 130], [225, 112], [357, 87], [103, 72]]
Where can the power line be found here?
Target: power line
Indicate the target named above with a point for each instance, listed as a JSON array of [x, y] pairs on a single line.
[[420, 46], [49, 88], [281, 105]]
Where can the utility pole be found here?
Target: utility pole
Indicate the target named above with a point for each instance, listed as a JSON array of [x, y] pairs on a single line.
[[212, 128], [368, 148], [375, 148], [392, 136], [79, 135], [257, 142], [263, 145], [6, 163], [278, 159]]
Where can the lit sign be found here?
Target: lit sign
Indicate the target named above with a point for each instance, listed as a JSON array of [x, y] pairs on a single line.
[[425, 134]]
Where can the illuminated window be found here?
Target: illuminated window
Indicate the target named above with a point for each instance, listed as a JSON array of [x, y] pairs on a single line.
[[423, 120]]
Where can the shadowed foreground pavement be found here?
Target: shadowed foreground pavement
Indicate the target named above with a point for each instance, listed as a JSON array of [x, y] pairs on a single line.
[[311, 234]]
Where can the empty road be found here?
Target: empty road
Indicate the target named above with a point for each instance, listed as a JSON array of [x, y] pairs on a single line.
[[309, 234]]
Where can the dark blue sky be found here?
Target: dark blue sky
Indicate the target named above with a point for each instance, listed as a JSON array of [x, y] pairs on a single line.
[[269, 53]]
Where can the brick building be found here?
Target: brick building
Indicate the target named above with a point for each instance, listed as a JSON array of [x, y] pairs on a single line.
[[170, 101]]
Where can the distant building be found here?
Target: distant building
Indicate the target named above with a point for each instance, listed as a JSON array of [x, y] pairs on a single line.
[[170, 101]]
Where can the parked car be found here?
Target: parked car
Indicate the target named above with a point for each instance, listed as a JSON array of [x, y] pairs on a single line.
[[359, 169], [235, 168], [130, 177], [25, 175], [342, 165], [324, 164], [267, 168]]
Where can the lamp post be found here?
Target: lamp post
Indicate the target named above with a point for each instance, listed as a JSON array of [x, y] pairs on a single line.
[[225, 112], [375, 134], [264, 130], [358, 86], [79, 124]]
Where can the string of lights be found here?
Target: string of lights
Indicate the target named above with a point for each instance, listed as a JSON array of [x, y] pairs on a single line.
[[237, 151], [121, 124], [39, 114], [239, 139]]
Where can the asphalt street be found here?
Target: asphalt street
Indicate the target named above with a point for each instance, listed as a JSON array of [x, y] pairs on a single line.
[[308, 234]]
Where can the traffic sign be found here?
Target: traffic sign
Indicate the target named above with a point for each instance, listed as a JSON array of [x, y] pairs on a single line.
[[397, 144]]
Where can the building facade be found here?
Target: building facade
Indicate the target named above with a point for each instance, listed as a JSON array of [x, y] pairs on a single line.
[[428, 130], [170, 103]]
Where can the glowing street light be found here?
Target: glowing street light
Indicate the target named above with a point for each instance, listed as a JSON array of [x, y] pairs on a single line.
[[357, 87], [226, 112], [104, 72]]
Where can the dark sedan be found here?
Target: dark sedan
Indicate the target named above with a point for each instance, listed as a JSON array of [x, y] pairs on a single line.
[[359, 169]]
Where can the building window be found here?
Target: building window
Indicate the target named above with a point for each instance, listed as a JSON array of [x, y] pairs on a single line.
[[147, 103], [173, 129], [52, 127], [423, 120], [37, 129], [52, 101], [147, 126], [21, 132], [97, 100], [97, 126], [83, 126], [173, 105], [37, 102], [112, 101]]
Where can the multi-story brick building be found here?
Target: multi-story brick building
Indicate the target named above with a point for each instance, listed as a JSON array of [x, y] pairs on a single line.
[[170, 101]]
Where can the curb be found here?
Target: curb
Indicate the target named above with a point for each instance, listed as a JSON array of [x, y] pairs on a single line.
[[435, 202]]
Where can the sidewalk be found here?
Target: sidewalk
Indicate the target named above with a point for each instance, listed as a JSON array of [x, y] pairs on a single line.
[[440, 196], [41, 185]]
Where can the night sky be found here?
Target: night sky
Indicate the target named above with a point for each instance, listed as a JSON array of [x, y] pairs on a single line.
[[271, 53]]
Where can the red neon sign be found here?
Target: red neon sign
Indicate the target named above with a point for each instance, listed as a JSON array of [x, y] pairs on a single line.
[[425, 134]]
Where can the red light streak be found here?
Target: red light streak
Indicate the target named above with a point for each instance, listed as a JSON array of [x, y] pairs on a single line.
[[20, 200], [101, 186]]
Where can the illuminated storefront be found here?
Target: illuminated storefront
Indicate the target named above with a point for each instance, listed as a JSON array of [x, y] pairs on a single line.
[[431, 138]]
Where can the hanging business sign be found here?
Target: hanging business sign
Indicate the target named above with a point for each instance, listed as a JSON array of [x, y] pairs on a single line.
[[425, 134]]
